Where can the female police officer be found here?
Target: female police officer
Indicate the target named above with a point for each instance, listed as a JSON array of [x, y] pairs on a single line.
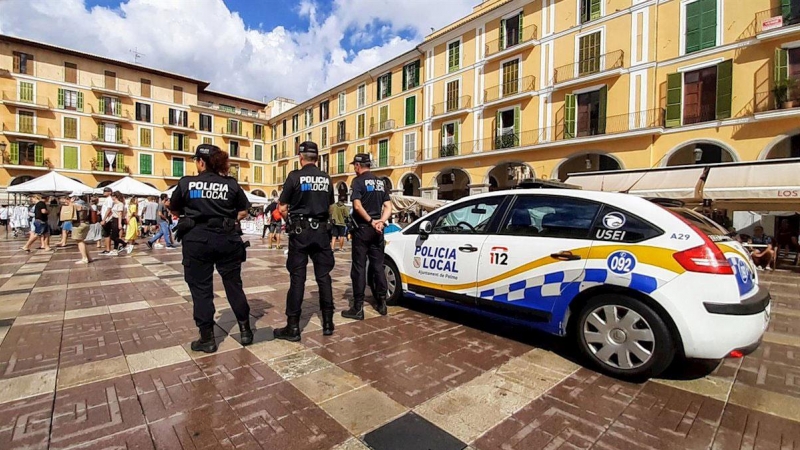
[[210, 205]]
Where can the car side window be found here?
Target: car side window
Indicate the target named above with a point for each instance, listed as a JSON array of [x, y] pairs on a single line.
[[615, 225], [470, 218], [543, 216]]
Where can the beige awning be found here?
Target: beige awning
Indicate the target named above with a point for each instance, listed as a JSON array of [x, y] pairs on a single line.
[[675, 183], [767, 183]]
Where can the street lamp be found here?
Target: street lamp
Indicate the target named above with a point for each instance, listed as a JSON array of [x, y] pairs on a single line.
[[588, 162], [698, 154]]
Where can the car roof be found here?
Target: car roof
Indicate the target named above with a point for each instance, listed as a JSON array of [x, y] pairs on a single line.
[[603, 197]]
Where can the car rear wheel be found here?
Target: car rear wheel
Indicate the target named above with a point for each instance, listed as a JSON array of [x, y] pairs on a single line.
[[624, 337], [393, 282]]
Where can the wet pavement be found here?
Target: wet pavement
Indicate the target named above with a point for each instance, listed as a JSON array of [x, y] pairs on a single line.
[[97, 357]]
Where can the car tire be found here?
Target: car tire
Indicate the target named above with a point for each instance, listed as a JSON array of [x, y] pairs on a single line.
[[393, 282], [632, 347]]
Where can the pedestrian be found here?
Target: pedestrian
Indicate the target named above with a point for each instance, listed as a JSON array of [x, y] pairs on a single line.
[[149, 216], [66, 217], [40, 229], [163, 220], [372, 207], [273, 214], [339, 213], [117, 214], [95, 228], [106, 204], [306, 199], [4, 214], [80, 229], [132, 230], [211, 204]]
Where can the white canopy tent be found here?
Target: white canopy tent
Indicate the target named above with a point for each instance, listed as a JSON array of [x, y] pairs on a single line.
[[679, 184], [132, 187], [51, 183]]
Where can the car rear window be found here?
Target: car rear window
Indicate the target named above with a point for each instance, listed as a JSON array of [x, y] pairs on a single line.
[[712, 229]]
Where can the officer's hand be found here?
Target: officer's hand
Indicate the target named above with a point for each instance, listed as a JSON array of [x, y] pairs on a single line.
[[378, 225]]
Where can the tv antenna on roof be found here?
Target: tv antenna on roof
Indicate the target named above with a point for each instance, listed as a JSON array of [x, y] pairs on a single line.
[[136, 55]]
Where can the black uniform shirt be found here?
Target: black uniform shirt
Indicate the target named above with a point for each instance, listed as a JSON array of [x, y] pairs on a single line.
[[207, 196], [372, 193], [308, 192]]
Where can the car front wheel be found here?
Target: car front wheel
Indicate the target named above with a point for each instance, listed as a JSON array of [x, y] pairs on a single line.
[[393, 282], [624, 337]]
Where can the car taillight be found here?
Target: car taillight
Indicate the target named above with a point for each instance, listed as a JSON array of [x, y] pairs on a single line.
[[705, 258]]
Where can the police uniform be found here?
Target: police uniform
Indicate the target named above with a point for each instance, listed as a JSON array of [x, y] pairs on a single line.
[[367, 242], [308, 193], [209, 204]]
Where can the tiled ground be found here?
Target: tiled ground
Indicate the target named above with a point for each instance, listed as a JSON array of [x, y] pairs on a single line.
[[98, 357]]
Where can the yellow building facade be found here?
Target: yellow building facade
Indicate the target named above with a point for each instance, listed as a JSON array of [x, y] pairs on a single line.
[[516, 89]]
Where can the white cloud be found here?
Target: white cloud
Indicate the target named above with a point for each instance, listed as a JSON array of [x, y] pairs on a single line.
[[210, 42]]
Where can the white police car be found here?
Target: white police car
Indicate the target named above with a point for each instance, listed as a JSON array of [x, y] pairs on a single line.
[[636, 283]]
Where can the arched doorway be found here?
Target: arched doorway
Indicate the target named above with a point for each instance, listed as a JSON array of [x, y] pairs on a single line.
[[453, 184], [508, 175], [699, 153], [387, 184], [342, 189], [20, 180], [259, 193], [411, 185], [786, 147], [274, 193], [103, 184], [587, 162]]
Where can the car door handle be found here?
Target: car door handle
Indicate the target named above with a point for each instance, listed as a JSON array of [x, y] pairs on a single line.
[[468, 249], [565, 256]]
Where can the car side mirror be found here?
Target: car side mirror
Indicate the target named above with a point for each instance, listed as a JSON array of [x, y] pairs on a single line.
[[425, 228]]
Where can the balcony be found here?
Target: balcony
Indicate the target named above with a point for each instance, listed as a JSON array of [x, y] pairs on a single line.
[[171, 125], [109, 114], [101, 141], [497, 46], [594, 67], [27, 131], [340, 139], [38, 102], [777, 22], [383, 162], [452, 106], [245, 157], [384, 127], [769, 105], [231, 112], [234, 134], [117, 93], [495, 94], [283, 155], [338, 170]]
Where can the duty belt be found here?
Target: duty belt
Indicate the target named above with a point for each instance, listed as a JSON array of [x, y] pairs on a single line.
[[297, 224]]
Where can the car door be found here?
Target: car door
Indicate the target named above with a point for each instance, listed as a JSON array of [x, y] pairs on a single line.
[[444, 263], [535, 259]]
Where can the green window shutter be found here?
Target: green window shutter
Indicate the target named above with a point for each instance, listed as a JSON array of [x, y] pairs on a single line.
[[502, 34], [230, 126], [781, 65], [708, 23], [80, 101], [71, 158], [520, 27], [177, 168], [674, 99], [120, 163], [175, 144], [416, 73], [411, 110], [724, 89], [585, 11], [186, 143], [60, 98], [405, 78], [117, 108], [143, 164], [517, 120], [595, 10], [38, 154], [389, 84], [570, 103], [101, 106], [603, 102], [99, 161], [101, 135], [118, 133], [26, 91], [14, 155], [693, 26], [786, 9]]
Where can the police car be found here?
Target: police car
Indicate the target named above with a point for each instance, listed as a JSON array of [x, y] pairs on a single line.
[[634, 282]]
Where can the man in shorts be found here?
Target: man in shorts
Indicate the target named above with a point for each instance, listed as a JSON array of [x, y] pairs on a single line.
[[150, 216], [80, 230], [40, 228], [106, 203], [764, 255], [275, 224], [339, 213]]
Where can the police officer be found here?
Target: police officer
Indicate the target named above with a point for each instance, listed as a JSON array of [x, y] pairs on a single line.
[[211, 204], [371, 209], [306, 198]]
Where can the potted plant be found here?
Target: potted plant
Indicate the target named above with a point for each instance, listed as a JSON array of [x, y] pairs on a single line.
[[785, 93]]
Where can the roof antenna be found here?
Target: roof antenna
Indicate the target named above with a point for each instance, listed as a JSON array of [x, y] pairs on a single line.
[[136, 55]]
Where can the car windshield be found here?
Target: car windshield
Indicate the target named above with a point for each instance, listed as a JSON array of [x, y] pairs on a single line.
[[712, 229]]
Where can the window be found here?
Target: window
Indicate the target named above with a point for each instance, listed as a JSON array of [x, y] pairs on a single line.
[[145, 86], [274, 153], [324, 136], [178, 118], [411, 76], [341, 126], [258, 132], [110, 106], [508, 122], [25, 121], [295, 165], [177, 95], [324, 163], [234, 127], [452, 99], [360, 126], [449, 139], [180, 142], [208, 140], [258, 152], [701, 25], [340, 161], [145, 137], [590, 10], [234, 171], [453, 56], [275, 174], [362, 96], [296, 144], [323, 110], [383, 153], [258, 174], [110, 161], [143, 112], [633, 230], [384, 86], [233, 149], [411, 110], [27, 154], [284, 128], [206, 123], [227, 108], [410, 148], [110, 80], [23, 63], [510, 31], [70, 73], [510, 78], [554, 217], [177, 167], [109, 132], [383, 117], [589, 54], [71, 158], [586, 113], [70, 128], [71, 100], [26, 90], [700, 95], [470, 218], [342, 103], [145, 164], [308, 136], [309, 117], [295, 123]]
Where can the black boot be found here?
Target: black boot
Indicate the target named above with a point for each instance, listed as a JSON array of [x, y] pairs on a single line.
[[356, 311], [206, 343], [245, 332], [291, 332], [380, 305], [327, 323]]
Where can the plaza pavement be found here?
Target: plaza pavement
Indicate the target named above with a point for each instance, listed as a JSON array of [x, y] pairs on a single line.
[[97, 357]]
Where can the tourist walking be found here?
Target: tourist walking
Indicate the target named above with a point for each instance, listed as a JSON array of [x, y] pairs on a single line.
[[66, 217], [132, 230], [164, 219], [39, 229]]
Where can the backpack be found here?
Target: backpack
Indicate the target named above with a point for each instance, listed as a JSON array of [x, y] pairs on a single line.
[[276, 214]]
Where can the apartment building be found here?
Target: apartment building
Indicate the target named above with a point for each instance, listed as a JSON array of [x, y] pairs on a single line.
[[95, 120]]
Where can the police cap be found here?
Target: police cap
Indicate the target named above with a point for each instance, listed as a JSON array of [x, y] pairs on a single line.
[[204, 151], [308, 147], [362, 158]]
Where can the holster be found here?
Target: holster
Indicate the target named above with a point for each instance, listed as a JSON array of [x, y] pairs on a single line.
[[245, 245], [185, 224]]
